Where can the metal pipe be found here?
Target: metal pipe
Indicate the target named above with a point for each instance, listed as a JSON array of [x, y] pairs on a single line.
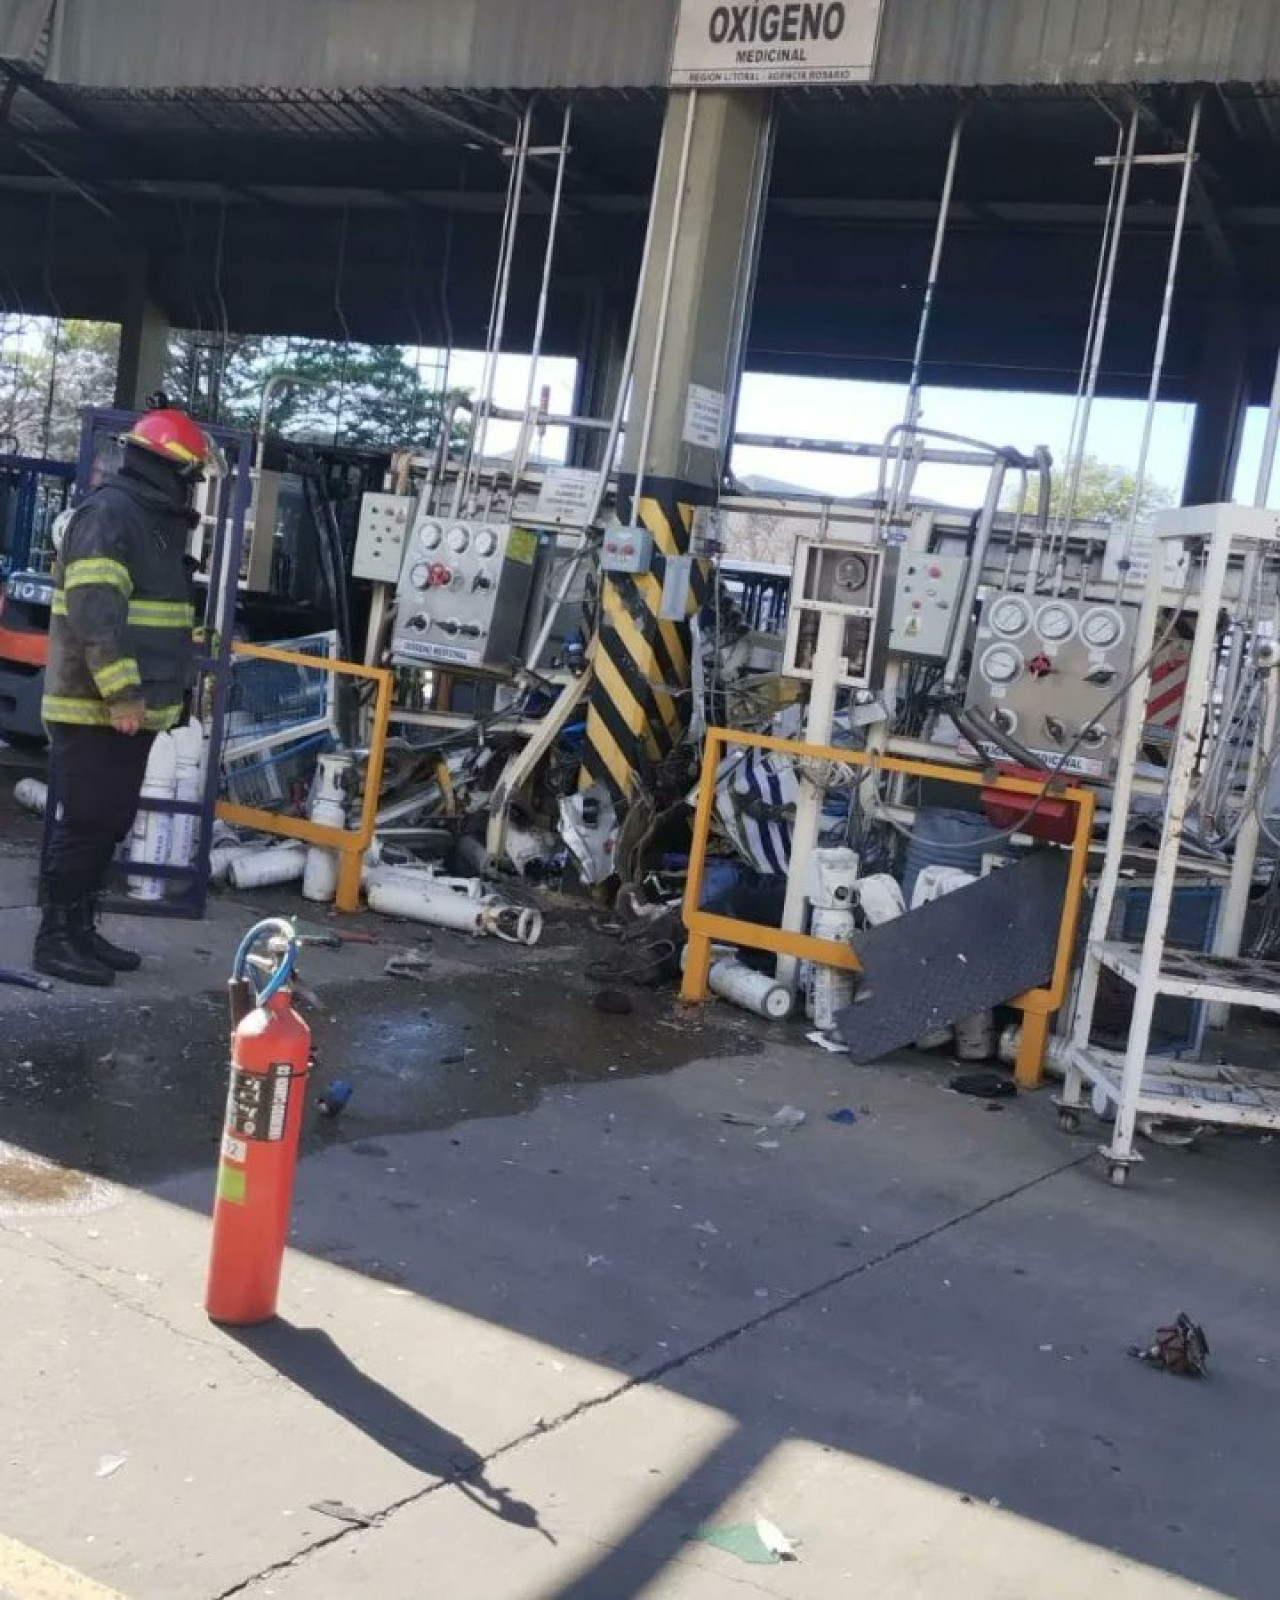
[[1266, 467], [981, 542], [498, 315], [1162, 337], [1075, 441], [1111, 255], [914, 384], [544, 295], [664, 305], [275, 381], [633, 338]]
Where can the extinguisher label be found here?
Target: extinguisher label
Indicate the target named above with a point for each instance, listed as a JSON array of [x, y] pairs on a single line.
[[234, 1149], [258, 1106]]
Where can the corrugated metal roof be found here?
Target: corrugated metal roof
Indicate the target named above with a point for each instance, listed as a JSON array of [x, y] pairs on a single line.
[[1004, 42], [613, 44], [22, 25], [346, 44]]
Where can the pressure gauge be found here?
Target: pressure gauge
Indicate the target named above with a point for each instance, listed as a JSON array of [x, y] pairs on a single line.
[[1009, 618], [852, 574], [1102, 629], [1001, 664], [430, 536], [486, 542], [1056, 623], [459, 539], [420, 577]]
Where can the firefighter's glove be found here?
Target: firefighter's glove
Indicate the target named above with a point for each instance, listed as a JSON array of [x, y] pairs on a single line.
[[127, 716]]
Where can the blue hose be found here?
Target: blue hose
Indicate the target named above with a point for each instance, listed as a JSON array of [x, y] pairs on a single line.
[[282, 974]]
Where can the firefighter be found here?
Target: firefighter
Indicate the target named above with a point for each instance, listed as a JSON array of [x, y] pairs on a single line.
[[121, 664]]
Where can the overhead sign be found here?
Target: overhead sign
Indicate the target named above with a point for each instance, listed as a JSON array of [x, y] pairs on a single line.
[[740, 44]]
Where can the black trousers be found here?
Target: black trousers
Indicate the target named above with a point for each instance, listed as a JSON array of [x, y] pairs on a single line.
[[95, 782]]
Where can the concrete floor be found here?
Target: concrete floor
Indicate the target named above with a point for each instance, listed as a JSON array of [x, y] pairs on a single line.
[[547, 1312]]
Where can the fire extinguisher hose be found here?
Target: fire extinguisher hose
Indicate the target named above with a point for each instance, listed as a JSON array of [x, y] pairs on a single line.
[[286, 958]]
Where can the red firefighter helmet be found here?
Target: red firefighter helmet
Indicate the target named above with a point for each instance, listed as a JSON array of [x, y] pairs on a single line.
[[172, 434]]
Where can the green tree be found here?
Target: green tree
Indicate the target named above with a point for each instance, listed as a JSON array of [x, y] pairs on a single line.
[[1105, 494], [358, 395], [49, 370]]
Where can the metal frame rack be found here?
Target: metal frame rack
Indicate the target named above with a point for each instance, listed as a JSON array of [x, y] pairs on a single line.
[[1135, 1084]]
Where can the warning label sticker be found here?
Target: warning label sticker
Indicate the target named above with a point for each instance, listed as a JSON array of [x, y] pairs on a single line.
[[258, 1105]]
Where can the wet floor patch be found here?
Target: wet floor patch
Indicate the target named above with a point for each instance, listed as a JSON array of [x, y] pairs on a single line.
[[29, 1183], [137, 1094]]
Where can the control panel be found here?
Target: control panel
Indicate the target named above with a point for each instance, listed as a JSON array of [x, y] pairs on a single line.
[[849, 581], [381, 536], [926, 605], [626, 550], [464, 594], [1048, 671]]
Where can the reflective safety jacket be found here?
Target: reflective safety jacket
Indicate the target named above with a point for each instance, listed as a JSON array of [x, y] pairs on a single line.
[[122, 610]]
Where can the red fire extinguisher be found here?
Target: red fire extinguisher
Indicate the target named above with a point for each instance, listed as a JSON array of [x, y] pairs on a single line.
[[270, 1068]]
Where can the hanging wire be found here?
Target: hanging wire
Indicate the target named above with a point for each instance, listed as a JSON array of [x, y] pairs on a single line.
[[218, 361], [47, 280], [342, 323]]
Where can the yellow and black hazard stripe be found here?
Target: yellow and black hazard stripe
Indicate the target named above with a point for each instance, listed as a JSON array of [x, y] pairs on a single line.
[[639, 704]]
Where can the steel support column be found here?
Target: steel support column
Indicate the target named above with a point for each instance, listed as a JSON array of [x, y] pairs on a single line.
[[1222, 404], [694, 309], [144, 343]]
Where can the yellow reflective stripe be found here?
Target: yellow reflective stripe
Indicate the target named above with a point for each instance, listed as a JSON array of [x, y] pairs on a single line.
[[161, 614], [84, 713], [118, 676], [59, 604], [159, 721], [98, 569]]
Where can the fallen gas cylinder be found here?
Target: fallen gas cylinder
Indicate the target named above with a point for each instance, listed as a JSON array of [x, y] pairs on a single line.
[[458, 903]]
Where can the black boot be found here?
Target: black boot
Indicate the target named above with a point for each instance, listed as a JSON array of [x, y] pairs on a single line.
[[85, 932], [60, 953]]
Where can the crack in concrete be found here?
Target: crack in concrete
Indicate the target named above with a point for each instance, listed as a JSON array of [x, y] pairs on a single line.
[[94, 1274], [655, 1375]]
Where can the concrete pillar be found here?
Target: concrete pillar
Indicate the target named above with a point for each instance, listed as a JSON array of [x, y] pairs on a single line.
[[1222, 404], [692, 332], [144, 344]]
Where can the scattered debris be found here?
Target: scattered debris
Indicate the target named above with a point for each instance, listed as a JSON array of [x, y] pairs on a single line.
[[336, 1098], [32, 795], [342, 1513], [706, 1227], [788, 1117], [408, 964], [24, 980], [844, 1118], [985, 1085], [1182, 1349], [109, 1465], [760, 1543]]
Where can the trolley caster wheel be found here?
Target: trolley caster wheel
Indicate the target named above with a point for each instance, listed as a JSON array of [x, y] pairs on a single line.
[[1118, 1174], [1069, 1120]]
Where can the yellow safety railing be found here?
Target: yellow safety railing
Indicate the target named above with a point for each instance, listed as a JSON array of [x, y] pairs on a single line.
[[705, 928], [349, 844]]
